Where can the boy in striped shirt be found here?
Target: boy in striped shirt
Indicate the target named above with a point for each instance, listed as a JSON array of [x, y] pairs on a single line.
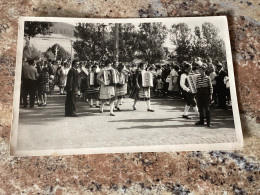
[[204, 95]]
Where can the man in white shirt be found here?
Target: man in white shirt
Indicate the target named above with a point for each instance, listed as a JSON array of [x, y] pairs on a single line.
[[188, 92]]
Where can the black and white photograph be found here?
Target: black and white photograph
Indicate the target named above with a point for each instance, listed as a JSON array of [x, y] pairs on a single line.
[[91, 86]]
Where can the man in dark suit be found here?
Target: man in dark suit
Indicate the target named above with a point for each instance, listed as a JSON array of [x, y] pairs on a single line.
[[72, 87], [221, 86]]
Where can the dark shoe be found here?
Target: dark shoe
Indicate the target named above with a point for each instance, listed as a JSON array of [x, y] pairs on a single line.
[[97, 106], [44, 105], [186, 116], [134, 108], [199, 123], [111, 114], [91, 106], [40, 105], [150, 110], [118, 109], [209, 125], [100, 111], [73, 115]]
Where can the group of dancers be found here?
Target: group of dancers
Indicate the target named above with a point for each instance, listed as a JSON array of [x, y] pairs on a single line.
[[110, 82], [94, 87]]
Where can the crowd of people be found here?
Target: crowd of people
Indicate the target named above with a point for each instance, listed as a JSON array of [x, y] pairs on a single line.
[[201, 84]]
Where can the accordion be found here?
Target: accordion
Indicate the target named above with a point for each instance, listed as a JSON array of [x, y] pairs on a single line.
[[191, 80], [110, 77], [93, 79], [147, 79]]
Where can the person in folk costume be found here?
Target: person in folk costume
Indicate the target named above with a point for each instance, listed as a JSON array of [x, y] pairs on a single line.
[[44, 86], [187, 92], [107, 92], [93, 88], [204, 95], [139, 92], [83, 82], [120, 86]]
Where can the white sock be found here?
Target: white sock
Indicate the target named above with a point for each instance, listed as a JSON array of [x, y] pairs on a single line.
[[186, 109], [112, 107], [196, 110], [102, 106], [148, 104], [91, 102]]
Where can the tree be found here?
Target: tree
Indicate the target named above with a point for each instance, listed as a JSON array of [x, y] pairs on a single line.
[[207, 43], [57, 52], [30, 52], [180, 36], [92, 41], [49, 55], [215, 46], [127, 42], [32, 28], [151, 37]]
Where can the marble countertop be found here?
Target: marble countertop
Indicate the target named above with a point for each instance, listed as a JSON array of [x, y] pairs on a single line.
[[212, 172]]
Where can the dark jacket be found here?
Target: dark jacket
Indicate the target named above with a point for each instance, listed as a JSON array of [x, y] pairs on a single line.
[[73, 80]]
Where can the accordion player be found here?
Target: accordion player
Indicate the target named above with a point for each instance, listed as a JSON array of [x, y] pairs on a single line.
[[191, 80], [147, 79], [110, 77], [93, 79]]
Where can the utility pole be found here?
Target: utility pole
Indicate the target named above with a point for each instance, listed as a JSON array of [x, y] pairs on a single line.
[[116, 42]]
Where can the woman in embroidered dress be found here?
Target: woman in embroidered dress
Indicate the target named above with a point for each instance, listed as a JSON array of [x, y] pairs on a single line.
[[120, 86], [139, 92], [93, 87], [107, 92]]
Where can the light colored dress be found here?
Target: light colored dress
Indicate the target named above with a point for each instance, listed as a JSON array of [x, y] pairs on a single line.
[[63, 72], [106, 92], [173, 85]]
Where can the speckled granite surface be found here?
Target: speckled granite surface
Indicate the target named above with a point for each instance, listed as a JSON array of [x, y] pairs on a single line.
[[213, 172]]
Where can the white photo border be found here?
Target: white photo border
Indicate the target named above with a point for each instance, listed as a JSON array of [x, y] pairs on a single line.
[[14, 151]]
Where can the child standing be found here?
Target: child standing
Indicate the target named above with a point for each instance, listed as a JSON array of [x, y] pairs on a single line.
[[204, 95], [159, 85]]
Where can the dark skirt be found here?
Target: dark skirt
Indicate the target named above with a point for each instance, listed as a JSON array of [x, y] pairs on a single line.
[[120, 92], [92, 93], [142, 94], [44, 87]]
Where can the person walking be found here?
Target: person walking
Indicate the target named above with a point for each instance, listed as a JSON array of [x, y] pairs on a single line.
[[72, 86], [29, 80], [139, 92], [107, 92], [120, 86]]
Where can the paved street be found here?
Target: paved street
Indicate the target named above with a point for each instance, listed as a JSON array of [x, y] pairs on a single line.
[[44, 128]]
